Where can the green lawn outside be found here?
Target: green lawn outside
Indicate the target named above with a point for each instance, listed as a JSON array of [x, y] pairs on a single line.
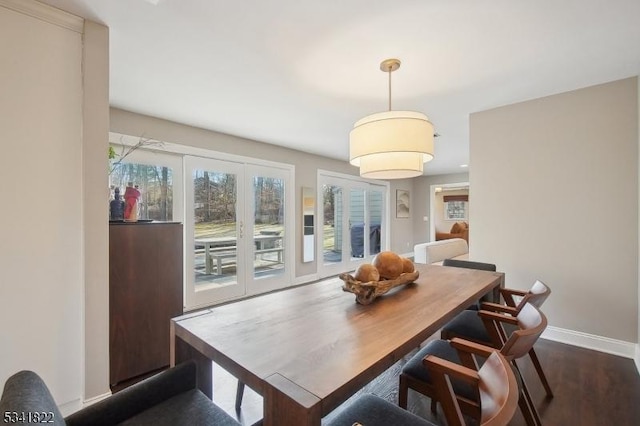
[[211, 229], [228, 229]]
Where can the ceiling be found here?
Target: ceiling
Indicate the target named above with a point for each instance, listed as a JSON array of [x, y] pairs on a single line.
[[299, 73]]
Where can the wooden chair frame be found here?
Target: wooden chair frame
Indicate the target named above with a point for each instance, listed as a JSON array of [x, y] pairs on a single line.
[[530, 322], [503, 392], [513, 307]]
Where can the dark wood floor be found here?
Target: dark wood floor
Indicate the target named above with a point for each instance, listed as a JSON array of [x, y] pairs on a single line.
[[591, 389]]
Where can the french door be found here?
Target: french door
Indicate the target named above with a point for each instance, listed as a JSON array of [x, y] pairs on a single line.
[[270, 248], [236, 236], [354, 223]]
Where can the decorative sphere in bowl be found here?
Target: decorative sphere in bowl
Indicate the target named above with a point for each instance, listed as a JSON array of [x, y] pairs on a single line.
[[388, 264], [367, 273]]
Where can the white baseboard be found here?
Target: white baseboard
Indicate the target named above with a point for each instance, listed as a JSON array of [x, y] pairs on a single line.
[[305, 279], [71, 407], [591, 341], [637, 358], [95, 399]]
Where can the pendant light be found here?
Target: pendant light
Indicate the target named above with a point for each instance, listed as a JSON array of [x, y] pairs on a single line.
[[391, 144]]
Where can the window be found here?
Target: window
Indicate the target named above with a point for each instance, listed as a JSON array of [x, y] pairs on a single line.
[[353, 221], [237, 213], [157, 176], [155, 184], [455, 207]]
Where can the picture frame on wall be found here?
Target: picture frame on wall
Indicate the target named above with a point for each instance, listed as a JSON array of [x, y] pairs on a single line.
[[403, 204]]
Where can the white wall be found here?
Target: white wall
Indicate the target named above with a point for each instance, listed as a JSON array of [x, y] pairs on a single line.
[[546, 176], [54, 120], [401, 229], [41, 269], [96, 218], [637, 354]]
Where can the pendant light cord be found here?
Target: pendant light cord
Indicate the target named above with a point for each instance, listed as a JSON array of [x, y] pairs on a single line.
[[389, 72]]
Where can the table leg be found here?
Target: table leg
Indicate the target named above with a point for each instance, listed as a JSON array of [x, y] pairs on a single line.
[[182, 351], [286, 403]]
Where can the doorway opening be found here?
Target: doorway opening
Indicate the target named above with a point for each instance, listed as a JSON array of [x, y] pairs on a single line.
[[444, 214]]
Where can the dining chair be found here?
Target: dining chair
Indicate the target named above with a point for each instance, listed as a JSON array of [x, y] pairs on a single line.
[[469, 264], [168, 398], [371, 410], [530, 323], [495, 383], [468, 325]]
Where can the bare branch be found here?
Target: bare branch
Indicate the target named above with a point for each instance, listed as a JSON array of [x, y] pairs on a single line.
[[128, 149]]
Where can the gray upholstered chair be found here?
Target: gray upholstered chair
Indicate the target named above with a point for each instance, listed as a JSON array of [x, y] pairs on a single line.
[[371, 410], [468, 325], [495, 383], [168, 398], [469, 264], [530, 323]]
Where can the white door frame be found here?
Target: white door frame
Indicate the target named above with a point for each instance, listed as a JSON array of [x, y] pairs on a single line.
[[208, 294], [285, 278]]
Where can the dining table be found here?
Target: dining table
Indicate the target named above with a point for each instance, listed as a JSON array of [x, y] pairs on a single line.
[[308, 348]]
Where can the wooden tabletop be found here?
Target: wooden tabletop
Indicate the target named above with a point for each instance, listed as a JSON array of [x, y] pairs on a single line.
[[307, 349]]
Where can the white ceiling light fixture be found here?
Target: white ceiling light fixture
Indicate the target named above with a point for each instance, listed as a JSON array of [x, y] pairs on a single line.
[[391, 144]]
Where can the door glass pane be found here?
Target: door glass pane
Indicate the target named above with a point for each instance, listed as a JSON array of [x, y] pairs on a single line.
[[374, 202], [215, 229], [155, 184], [356, 222], [332, 226], [268, 226]]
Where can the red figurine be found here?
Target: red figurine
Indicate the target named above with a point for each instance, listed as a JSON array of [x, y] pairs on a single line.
[[131, 197]]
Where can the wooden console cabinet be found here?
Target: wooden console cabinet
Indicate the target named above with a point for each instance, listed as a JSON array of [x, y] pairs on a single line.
[[145, 292]]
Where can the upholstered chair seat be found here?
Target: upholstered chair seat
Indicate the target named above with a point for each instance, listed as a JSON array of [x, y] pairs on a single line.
[[468, 324], [415, 369], [371, 410]]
